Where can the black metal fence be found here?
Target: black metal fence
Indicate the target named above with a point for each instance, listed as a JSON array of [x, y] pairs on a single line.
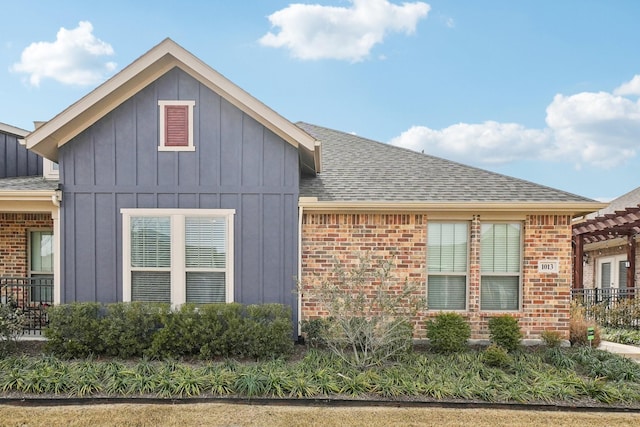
[[32, 295], [610, 307]]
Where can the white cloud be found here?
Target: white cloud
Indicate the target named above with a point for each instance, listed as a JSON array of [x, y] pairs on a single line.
[[75, 58], [329, 32], [490, 141], [592, 129], [629, 88]]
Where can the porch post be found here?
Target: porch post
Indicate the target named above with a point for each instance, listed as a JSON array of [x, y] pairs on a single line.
[[578, 267], [631, 258], [57, 255]]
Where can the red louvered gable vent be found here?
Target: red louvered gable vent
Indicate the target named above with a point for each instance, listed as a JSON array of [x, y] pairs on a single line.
[[176, 131]]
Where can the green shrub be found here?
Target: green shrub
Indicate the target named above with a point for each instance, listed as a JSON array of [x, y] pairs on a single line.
[[269, 327], [505, 332], [496, 356], [74, 329], [135, 329], [127, 329], [315, 332], [551, 339], [12, 322], [448, 333], [181, 333]]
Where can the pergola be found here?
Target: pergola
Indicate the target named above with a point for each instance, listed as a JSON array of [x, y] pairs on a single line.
[[621, 224]]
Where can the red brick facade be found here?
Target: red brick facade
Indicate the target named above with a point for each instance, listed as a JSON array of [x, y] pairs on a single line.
[[345, 237], [14, 235]]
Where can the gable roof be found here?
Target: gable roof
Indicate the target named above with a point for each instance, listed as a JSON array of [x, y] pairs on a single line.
[[628, 200], [12, 130], [62, 128], [359, 172]]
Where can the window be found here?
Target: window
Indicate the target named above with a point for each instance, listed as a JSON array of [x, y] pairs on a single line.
[[50, 169], [500, 249], [178, 255], [41, 265], [447, 259], [176, 125]]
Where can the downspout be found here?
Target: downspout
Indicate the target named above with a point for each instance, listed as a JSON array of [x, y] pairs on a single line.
[[298, 281]]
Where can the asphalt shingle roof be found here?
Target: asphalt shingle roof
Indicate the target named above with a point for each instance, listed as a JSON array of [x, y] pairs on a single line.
[[27, 183], [359, 169]]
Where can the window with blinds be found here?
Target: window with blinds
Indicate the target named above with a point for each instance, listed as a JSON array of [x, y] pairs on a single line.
[[151, 259], [447, 260], [205, 259], [178, 255], [500, 259]]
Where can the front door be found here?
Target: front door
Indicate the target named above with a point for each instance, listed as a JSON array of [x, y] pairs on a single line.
[[612, 273], [41, 266]]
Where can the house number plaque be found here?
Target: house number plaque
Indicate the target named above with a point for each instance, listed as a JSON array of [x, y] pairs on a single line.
[[548, 266]]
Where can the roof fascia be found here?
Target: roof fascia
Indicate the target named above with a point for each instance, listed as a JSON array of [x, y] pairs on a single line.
[[79, 116], [564, 208], [13, 130]]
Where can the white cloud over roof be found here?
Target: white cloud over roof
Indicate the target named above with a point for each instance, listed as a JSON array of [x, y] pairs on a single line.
[[589, 129], [74, 58], [345, 33]]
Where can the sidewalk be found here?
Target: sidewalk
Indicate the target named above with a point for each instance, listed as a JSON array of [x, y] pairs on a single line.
[[630, 351]]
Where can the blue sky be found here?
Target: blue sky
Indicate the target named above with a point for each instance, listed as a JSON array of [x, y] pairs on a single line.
[[546, 91]]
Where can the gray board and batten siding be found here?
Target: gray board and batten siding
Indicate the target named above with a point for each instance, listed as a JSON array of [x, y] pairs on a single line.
[[15, 159], [237, 164]]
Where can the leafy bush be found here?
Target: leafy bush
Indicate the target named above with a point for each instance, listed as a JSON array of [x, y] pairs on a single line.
[[578, 327], [12, 322], [448, 333], [315, 331], [505, 332], [74, 329], [370, 311], [496, 356], [127, 329], [623, 313], [551, 339], [136, 329]]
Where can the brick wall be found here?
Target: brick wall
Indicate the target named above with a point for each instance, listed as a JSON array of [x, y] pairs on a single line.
[[14, 228], [344, 237]]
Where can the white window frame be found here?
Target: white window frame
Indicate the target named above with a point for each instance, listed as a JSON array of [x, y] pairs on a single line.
[[161, 105], [519, 274], [451, 273], [178, 267], [49, 169]]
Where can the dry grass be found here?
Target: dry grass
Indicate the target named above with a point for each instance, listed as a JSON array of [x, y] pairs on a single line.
[[216, 414]]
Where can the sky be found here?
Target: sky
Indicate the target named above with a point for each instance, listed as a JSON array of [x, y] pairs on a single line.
[[547, 91]]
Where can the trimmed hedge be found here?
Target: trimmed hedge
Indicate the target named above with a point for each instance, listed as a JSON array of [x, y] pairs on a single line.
[[137, 329]]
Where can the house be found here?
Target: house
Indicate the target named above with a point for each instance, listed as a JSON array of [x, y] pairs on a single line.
[[176, 185], [28, 212], [606, 246]]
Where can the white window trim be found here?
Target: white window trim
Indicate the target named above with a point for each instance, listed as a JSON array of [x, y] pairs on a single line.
[[178, 269], [519, 274], [466, 274], [190, 146], [48, 170]]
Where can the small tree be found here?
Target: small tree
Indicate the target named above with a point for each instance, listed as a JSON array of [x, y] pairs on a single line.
[[369, 311]]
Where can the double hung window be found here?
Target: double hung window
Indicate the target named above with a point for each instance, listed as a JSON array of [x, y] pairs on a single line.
[[500, 266], [447, 260], [178, 255]]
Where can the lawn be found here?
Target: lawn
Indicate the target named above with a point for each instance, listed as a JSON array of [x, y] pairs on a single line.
[[572, 377], [215, 414]]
